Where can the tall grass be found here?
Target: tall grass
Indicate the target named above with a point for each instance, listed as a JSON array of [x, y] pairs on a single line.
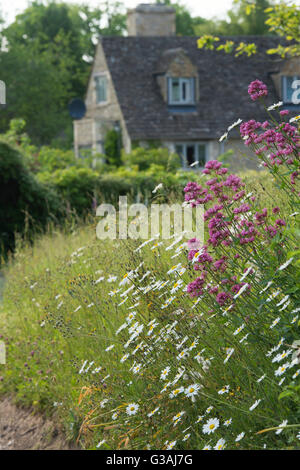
[[105, 334]]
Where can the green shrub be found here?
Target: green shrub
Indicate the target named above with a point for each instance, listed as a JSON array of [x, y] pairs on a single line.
[[112, 147], [144, 158], [26, 204]]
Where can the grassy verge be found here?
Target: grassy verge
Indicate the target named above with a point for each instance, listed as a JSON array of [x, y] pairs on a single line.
[[104, 335]]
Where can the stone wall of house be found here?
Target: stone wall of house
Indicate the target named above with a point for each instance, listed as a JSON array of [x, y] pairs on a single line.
[[100, 117], [151, 20]]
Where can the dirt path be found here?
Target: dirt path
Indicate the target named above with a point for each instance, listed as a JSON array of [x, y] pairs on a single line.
[[20, 429]]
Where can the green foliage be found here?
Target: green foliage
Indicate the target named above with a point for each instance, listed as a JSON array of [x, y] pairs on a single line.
[[246, 17], [144, 158], [284, 20], [256, 17], [112, 147], [26, 205], [185, 22], [47, 62], [75, 185]]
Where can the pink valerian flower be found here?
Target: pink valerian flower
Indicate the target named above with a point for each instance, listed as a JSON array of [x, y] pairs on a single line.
[[261, 216], [276, 210], [242, 209], [195, 288], [212, 211], [280, 223], [271, 231], [211, 165], [284, 112], [234, 182], [238, 195], [237, 287], [223, 297], [220, 264], [193, 244], [257, 89]]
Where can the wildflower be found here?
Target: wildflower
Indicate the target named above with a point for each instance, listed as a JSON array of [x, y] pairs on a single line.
[[223, 137], [159, 186], [176, 392], [274, 106], [257, 89], [223, 390], [132, 409], [165, 373], [186, 437], [192, 390], [285, 265], [114, 416], [153, 412], [282, 355], [228, 422], [211, 425], [171, 445], [281, 426], [207, 447], [177, 417], [240, 436], [100, 443], [255, 404], [220, 445], [281, 370], [261, 378], [229, 351], [110, 347], [275, 322], [238, 330]]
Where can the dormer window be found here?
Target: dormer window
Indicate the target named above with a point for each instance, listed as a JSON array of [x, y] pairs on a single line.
[[101, 88], [181, 91], [287, 88]]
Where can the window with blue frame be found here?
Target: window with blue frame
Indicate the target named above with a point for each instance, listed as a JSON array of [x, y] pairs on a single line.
[[101, 88], [181, 91], [287, 88]]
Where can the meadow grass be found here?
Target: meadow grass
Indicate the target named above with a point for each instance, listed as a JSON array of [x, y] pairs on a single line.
[[103, 335]]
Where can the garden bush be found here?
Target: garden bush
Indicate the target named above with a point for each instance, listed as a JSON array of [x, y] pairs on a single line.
[[26, 205], [143, 158]]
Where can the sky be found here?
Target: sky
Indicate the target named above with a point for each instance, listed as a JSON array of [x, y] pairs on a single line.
[[204, 8]]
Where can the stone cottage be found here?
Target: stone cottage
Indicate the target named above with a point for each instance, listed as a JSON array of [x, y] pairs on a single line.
[[157, 88]]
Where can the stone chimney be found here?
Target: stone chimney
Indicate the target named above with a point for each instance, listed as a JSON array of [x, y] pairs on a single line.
[[151, 20]]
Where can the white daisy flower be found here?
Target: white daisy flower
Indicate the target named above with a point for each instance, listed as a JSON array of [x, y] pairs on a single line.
[[281, 426], [255, 404], [192, 390], [240, 436], [211, 425], [220, 445], [132, 409]]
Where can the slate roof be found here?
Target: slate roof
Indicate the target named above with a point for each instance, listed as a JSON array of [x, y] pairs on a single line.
[[223, 78]]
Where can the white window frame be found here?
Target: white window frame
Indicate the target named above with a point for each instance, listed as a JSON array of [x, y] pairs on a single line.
[[284, 86], [191, 82], [185, 164], [100, 75]]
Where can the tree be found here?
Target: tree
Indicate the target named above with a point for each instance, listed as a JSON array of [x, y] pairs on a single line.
[[186, 24], [58, 38], [245, 18], [282, 19]]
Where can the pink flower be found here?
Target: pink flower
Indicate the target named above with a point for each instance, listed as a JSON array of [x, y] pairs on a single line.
[[257, 89]]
